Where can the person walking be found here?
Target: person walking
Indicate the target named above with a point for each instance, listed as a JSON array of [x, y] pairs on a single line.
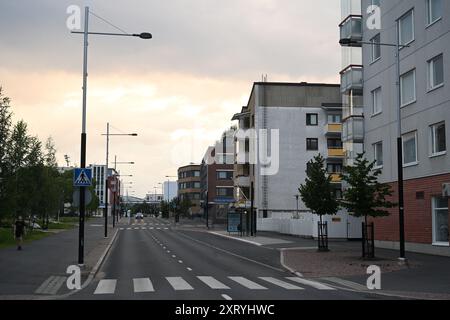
[[19, 231]]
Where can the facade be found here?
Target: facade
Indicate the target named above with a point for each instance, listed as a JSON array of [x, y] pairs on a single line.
[[170, 190], [217, 186], [424, 25], [306, 120], [189, 186], [154, 198], [98, 174]]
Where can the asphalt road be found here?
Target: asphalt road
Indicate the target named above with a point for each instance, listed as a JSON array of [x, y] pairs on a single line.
[[152, 260]]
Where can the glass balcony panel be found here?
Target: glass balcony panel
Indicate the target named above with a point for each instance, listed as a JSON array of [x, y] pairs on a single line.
[[352, 79], [351, 29]]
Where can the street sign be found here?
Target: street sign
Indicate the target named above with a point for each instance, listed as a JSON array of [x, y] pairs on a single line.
[[82, 177], [446, 190], [224, 200], [76, 197]]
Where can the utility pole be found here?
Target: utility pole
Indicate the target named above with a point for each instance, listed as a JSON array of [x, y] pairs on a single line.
[[105, 210]]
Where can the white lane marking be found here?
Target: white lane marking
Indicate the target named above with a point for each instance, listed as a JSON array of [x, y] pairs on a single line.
[[136, 228], [314, 284], [226, 297], [346, 283], [212, 282], [189, 269], [128, 228], [143, 285], [158, 228], [51, 285], [144, 228], [247, 283], [106, 287], [166, 228], [122, 228], [178, 283], [151, 228], [174, 256], [280, 283], [180, 261], [168, 251]]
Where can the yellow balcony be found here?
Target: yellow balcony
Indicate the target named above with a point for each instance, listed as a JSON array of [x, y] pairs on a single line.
[[336, 178], [336, 152], [333, 128]]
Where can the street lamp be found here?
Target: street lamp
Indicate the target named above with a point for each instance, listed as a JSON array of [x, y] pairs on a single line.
[[296, 198], [115, 169], [144, 35], [105, 210], [401, 209]]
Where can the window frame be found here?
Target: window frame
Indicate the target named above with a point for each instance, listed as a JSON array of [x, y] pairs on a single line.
[[412, 163], [432, 139], [402, 103], [308, 140], [375, 154], [411, 11], [308, 119], [373, 45], [376, 112], [430, 22], [433, 218], [430, 73]]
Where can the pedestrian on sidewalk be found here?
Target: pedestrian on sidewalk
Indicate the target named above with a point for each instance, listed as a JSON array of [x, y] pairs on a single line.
[[19, 231]]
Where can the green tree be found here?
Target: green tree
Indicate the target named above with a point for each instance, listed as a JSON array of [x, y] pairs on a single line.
[[317, 193], [365, 196], [5, 169]]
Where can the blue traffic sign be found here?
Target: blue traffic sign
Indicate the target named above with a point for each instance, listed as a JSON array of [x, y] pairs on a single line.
[[82, 177]]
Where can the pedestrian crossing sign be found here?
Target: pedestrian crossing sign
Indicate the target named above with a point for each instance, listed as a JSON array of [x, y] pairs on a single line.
[[82, 177]]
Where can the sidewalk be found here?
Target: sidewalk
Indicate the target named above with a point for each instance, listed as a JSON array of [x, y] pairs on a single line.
[[41, 267], [423, 277]]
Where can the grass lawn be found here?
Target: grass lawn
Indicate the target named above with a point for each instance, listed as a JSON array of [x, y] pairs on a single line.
[[7, 237]]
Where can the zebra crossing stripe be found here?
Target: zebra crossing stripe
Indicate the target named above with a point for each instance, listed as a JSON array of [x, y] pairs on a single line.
[[178, 283], [106, 287], [248, 283], [314, 284], [280, 283], [212, 283], [143, 285], [51, 285]]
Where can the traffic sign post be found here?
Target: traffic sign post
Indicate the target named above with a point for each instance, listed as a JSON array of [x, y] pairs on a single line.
[[82, 178]]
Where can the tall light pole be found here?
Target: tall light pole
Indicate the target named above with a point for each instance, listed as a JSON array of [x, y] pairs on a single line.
[[105, 210], [115, 191], [296, 198], [144, 35], [401, 205]]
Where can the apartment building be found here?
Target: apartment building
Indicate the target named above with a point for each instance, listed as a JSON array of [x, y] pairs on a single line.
[[217, 186], [283, 126], [98, 175], [424, 26], [189, 186]]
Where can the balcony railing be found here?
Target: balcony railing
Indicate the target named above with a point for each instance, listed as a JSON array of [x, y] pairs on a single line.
[[352, 78], [351, 29], [336, 152], [336, 178], [333, 128], [353, 129]]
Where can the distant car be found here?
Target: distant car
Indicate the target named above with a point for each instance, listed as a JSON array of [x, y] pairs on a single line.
[[139, 216]]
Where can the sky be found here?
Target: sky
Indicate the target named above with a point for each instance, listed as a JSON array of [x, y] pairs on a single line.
[[178, 91]]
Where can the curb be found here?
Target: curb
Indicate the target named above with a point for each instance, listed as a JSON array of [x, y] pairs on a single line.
[[234, 238], [283, 263]]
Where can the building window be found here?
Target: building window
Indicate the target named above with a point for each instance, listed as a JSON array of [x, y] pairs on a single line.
[[378, 154], [312, 144], [440, 220], [436, 72], [225, 192], [334, 168], [410, 148], [408, 87], [312, 119], [196, 173], [406, 28], [334, 144], [376, 47], [434, 10], [334, 118], [224, 175], [376, 101], [438, 141]]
